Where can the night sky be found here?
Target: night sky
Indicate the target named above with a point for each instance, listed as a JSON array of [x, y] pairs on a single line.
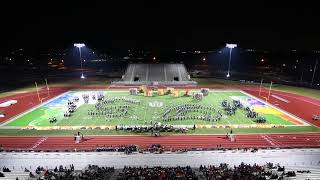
[[165, 25]]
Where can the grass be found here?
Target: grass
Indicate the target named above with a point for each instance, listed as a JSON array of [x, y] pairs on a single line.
[[139, 114], [215, 82], [298, 129], [98, 81], [313, 93]]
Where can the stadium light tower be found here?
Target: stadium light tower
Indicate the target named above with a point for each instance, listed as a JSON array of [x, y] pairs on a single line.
[[80, 45], [230, 46]]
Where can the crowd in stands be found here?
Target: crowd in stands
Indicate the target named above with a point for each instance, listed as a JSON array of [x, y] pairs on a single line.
[[211, 172], [91, 172], [158, 148], [96, 172], [137, 173], [245, 171], [154, 148], [126, 149], [5, 169]]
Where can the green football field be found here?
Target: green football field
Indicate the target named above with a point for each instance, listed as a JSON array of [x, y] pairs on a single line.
[[149, 109]]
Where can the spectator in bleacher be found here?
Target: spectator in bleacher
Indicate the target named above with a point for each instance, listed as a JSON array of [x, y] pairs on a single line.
[[5, 169]]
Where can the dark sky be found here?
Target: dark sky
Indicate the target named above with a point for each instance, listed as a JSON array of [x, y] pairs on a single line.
[[169, 24]]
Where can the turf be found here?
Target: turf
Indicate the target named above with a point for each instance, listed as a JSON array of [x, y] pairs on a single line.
[[98, 81], [140, 114], [215, 82], [313, 93], [294, 129]]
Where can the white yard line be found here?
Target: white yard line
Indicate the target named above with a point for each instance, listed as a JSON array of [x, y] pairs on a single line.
[[134, 111], [239, 121], [145, 112]]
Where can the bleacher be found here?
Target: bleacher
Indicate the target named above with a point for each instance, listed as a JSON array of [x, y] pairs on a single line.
[[266, 171], [162, 74], [21, 175], [314, 172]]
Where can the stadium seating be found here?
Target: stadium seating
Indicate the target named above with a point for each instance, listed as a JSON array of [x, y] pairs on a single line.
[[164, 74], [219, 171], [311, 172], [15, 174]]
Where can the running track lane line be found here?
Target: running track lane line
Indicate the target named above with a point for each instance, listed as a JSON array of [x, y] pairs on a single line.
[[40, 141]]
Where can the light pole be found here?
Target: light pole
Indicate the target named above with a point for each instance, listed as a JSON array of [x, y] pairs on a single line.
[[230, 46], [314, 72], [80, 45]]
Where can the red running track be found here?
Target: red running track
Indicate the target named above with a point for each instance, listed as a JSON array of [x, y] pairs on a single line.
[[300, 106], [27, 101], [176, 142]]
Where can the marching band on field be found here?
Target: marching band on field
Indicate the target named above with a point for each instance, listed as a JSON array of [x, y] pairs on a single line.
[[189, 111], [182, 110]]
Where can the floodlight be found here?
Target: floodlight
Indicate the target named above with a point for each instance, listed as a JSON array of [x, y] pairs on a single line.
[[231, 46], [79, 45]]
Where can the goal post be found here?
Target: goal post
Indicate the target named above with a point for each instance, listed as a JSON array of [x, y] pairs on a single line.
[[270, 88], [38, 92], [266, 98], [260, 87], [48, 89]]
